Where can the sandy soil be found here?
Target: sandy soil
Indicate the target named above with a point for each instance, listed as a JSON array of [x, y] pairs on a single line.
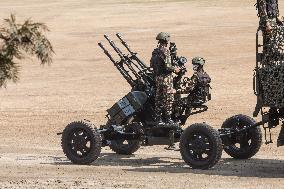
[[82, 83]]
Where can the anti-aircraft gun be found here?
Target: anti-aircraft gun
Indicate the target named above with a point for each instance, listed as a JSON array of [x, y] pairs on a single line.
[[131, 121]]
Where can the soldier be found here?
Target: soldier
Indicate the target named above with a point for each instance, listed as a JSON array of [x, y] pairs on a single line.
[[163, 70], [271, 26], [199, 76], [269, 14], [200, 79]]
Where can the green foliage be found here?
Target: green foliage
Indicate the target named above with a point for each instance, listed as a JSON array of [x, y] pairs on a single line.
[[15, 39]]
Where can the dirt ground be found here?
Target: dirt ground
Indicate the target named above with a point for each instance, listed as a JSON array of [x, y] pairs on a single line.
[[82, 83]]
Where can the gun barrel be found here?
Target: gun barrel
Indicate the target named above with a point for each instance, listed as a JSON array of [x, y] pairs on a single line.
[[132, 63], [124, 43], [117, 50], [120, 68], [124, 58], [106, 52]]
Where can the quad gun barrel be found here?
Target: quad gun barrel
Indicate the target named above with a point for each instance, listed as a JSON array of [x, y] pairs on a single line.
[[119, 66], [134, 71]]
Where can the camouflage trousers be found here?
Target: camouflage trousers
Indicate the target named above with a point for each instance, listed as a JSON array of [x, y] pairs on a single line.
[[164, 95]]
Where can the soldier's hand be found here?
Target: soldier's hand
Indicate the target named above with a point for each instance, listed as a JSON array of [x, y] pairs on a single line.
[[279, 21], [268, 28], [177, 70]]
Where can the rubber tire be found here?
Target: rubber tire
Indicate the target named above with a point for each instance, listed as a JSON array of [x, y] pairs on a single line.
[[214, 138], [256, 140], [131, 147], [95, 146]]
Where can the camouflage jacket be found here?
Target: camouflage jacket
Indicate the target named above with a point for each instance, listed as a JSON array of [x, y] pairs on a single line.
[[161, 62], [199, 79], [267, 9]]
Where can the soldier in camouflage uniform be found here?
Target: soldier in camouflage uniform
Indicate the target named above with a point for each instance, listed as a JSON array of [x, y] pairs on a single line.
[[272, 28], [200, 80], [197, 63], [163, 70], [269, 14], [269, 22]]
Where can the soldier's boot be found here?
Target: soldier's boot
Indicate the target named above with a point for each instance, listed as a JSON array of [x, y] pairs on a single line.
[[171, 140], [159, 120], [280, 140], [273, 118], [169, 120]]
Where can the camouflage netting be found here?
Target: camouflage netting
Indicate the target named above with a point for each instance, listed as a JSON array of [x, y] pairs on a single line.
[[271, 68]]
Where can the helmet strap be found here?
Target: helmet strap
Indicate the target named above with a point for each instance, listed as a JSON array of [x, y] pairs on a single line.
[[197, 67]]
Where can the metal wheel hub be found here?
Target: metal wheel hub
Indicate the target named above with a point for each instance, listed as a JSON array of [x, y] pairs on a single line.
[[79, 142], [199, 145]]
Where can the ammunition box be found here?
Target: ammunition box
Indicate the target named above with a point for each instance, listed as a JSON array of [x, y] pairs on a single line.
[[117, 107], [122, 115], [127, 106], [137, 99]]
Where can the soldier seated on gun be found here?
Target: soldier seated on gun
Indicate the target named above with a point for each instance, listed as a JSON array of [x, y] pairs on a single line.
[[199, 79], [163, 70]]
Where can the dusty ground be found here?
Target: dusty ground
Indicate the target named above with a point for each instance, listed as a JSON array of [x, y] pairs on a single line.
[[82, 83]]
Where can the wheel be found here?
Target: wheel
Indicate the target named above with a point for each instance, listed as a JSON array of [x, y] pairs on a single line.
[[200, 146], [246, 144], [127, 147], [81, 143]]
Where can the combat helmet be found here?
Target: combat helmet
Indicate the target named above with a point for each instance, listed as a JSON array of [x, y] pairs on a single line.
[[198, 61], [163, 36]]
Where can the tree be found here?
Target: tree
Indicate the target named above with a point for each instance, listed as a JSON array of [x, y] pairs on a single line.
[[17, 40]]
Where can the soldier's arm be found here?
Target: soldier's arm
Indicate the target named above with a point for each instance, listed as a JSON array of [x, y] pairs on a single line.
[[262, 10], [151, 61], [192, 83], [278, 14], [168, 62], [279, 19]]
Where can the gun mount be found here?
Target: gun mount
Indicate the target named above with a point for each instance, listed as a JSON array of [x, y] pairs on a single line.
[[130, 121]]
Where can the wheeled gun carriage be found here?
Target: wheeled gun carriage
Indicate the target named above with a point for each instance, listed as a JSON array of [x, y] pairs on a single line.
[[131, 121]]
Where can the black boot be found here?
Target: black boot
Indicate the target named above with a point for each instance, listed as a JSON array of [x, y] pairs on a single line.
[[169, 120], [273, 118], [158, 120], [280, 140]]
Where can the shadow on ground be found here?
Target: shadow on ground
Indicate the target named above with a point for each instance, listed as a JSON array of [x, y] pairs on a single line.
[[262, 168]]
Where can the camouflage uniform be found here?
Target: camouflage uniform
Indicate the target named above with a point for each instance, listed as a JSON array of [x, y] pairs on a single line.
[[163, 70], [187, 85], [268, 12]]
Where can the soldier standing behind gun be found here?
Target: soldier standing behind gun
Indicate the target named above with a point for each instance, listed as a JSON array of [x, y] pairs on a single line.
[[163, 70]]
